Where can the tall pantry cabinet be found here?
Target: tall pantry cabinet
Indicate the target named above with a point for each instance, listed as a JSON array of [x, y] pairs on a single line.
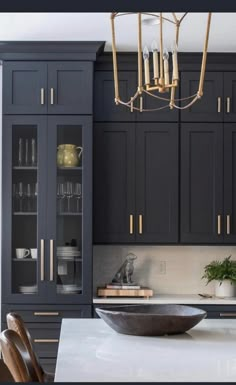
[[47, 210]]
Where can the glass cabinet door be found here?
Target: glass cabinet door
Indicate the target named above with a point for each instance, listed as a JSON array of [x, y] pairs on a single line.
[[69, 217], [24, 192]]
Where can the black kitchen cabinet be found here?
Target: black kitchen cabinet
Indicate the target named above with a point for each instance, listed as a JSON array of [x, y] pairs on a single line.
[[48, 87], [24, 85], [156, 183], [114, 182], [106, 110], [229, 183], [201, 183], [230, 96], [43, 210], [210, 107], [136, 183], [218, 103], [44, 323]]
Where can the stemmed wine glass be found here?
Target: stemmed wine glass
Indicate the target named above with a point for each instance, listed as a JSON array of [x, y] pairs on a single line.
[[60, 195], [21, 195], [69, 194], [77, 194], [28, 197]]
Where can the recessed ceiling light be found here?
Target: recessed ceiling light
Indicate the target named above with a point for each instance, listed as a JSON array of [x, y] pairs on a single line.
[[150, 21]]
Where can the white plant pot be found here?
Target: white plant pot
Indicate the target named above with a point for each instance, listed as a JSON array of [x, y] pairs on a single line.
[[225, 289]]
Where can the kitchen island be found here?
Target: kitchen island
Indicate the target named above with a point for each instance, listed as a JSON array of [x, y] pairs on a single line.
[[90, 351]]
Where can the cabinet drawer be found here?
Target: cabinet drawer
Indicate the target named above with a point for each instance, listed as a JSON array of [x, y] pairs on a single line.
[[47, 313], [45, 338]]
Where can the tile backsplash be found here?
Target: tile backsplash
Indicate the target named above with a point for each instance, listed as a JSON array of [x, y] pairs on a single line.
[[180, 273]]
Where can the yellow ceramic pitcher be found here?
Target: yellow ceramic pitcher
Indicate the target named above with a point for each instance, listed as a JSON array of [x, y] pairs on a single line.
[[68, 155]]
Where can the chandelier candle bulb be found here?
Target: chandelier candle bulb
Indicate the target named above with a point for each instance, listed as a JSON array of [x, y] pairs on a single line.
[[175, 63], [166, 67], [146, 65], [155, 60]]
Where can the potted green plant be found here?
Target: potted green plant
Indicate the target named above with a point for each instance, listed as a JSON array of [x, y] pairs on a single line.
[[224, 275]]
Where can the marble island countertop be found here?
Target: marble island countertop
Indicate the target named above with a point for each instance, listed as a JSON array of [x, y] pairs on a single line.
[[183, 299], [90, 351]]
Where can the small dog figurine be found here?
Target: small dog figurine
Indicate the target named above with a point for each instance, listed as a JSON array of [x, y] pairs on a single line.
[[125, 272]]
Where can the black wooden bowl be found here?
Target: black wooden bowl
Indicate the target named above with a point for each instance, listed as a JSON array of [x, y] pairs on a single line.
[[151, 320]]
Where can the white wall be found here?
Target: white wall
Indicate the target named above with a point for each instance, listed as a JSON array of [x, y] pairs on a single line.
[[184, 266]]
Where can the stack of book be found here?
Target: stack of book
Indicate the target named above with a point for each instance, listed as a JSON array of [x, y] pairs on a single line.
[[122, 286]]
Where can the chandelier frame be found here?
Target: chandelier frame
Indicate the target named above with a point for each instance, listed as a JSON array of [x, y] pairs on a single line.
[[158, 84]]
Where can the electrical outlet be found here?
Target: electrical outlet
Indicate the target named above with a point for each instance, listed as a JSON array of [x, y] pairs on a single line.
[[161, 267]]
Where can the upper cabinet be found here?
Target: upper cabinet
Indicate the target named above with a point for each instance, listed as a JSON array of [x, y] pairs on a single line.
[[106, 110], [47, 87], [136, 183], [201, 183], [218, 103]]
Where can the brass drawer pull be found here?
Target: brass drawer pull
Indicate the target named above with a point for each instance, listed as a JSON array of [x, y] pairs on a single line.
[[52, 96], [45, 341], [42, 96], [219, 104], [51, 259], [140, 224], [227, 314], [131, 224], [228, 224], [45, 313], [219, 224], [42, 260], [228, 105]]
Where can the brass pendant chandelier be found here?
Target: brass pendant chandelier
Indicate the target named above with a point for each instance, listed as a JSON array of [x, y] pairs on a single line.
[[160, 84]]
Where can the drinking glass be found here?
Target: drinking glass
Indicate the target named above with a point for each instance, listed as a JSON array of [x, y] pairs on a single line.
[[21, 196], [28, 198], [35, 197], [69, 194], [20, 152], [15, 198], [26, 152], [60, 195], [33, 152], [77, 194]]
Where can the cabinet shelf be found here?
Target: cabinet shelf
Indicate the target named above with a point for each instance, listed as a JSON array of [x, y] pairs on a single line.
[[24, 213], [70, 168], [72, 259], [24, 259], [29, 168], [69, 214]]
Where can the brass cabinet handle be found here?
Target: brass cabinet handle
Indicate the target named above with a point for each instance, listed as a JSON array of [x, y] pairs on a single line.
[[46, 313], [52, 96], [227, 314], [228, 224], [228, 105], [51, 259], [219, 104], [131, 224], [219, 224], [42, 260], [42, 96], [140, 221], [45, 340]]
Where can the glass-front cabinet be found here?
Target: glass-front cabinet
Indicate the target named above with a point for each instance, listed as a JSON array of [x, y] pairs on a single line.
[[47, 211]]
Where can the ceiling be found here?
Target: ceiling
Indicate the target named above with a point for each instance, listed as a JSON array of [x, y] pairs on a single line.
[[96, 26]]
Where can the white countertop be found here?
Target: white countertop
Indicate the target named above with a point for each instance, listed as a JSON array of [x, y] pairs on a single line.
[[187, 299], [89, 350]]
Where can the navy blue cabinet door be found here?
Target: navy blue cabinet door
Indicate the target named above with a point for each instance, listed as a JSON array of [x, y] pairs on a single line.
[[25, 88], [70, 87], [114, 182], [157, 182], [229, 183], [210, 108], [230, 96], [202, 183]]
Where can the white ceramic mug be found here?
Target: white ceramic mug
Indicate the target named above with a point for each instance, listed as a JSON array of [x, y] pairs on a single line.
[[22, 253], [34, 253]]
